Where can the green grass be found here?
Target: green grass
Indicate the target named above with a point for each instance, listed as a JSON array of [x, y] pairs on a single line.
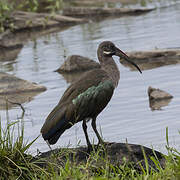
[[17, 163]]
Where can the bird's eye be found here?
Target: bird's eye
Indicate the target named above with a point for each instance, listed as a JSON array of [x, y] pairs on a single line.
[[111, 47]]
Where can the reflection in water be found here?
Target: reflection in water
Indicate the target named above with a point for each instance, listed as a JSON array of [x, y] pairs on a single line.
[[15, 44], [11, 53], [158, 104], [12, 100], [72, 77]]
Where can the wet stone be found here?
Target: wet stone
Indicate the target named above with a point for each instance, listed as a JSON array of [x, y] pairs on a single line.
[[157, 94], [78, 63], [10, 84], [15, 91]]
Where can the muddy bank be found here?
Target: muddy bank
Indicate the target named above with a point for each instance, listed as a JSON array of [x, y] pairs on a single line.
[[28, 21], [21, 21], [115, 153], [23, 26], [28, 25]]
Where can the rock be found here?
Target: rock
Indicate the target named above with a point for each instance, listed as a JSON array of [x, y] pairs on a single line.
[[144, 59], [157, 94], [10, 84], [76, 63], [115, 152], [93, 12], [15, 91]]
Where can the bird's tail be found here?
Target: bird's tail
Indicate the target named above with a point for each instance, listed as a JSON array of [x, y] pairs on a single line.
[[55, 125]]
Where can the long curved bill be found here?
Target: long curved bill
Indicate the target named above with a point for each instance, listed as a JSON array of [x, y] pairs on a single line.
[[125, 57]]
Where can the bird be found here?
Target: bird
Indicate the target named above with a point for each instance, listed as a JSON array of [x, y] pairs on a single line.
[[86, 98]]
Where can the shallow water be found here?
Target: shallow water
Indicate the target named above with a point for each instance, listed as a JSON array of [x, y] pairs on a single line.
[[127, 116]]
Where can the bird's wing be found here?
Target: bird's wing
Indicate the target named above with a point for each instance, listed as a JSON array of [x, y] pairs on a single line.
[[85, 98], [91, 101], [89, 79]]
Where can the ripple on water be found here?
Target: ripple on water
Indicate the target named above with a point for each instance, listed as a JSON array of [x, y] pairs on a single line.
[[128, 114]]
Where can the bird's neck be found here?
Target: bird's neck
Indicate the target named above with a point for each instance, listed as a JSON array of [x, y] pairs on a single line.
[[111, 68]]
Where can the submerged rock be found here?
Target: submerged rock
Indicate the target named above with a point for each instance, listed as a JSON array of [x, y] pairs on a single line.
[[76, 63], [116, 153]]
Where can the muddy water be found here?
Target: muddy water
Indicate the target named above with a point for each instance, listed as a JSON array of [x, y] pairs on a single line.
[[127, 116]]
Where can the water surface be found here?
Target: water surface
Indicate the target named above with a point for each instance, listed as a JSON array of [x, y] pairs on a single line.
[[127, 116]]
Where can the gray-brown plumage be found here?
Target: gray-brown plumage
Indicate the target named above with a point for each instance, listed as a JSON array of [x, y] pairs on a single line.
[[87, 97]]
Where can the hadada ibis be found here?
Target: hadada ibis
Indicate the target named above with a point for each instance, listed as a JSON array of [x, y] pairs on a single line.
[[87, 97]]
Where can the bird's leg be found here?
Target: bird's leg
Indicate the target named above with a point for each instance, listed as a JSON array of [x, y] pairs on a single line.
[[49, 145], [51, 150], [93, 123], [86, 135]]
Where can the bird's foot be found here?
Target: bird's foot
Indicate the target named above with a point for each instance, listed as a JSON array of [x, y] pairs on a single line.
[[90, 148], [104, 144]]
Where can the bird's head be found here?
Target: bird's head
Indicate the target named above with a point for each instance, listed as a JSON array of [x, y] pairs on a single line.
[[108, 49]]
